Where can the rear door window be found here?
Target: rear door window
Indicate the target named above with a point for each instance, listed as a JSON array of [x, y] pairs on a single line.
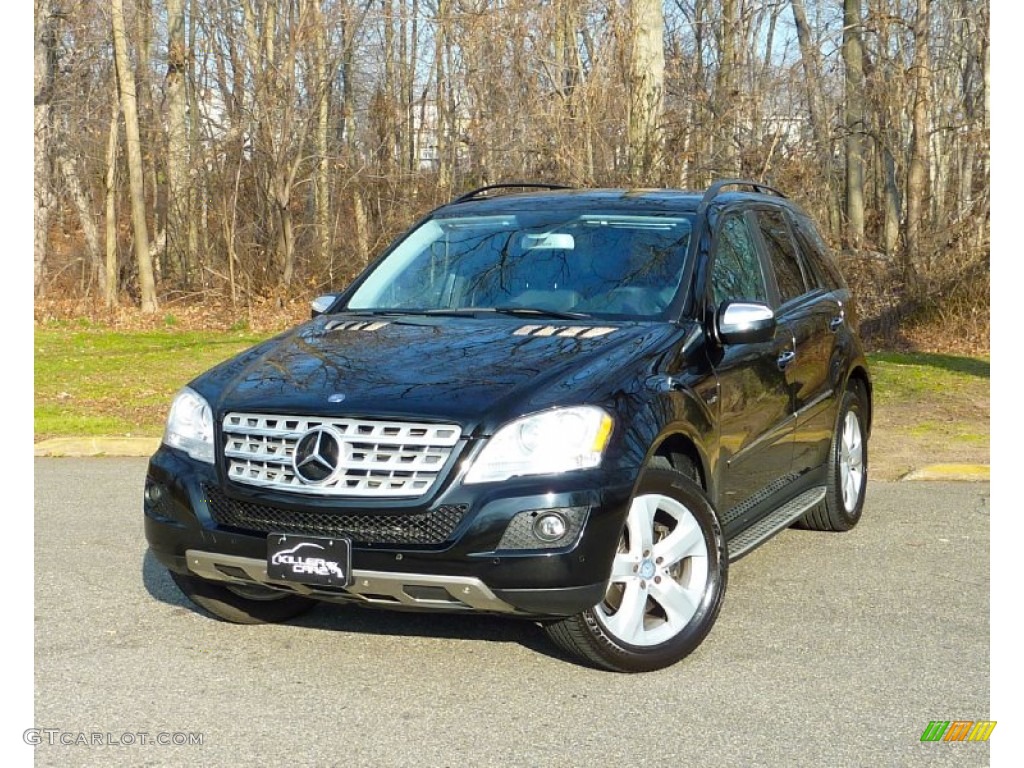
[[816, 253], [783, 254]]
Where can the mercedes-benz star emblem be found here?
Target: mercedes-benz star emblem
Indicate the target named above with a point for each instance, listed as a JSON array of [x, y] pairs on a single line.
[[317, 455]]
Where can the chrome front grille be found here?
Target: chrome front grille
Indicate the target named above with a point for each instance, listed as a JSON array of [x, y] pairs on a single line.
[[375, 458]]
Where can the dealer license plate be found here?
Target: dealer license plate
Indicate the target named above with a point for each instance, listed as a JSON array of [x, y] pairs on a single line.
[[315, 560]]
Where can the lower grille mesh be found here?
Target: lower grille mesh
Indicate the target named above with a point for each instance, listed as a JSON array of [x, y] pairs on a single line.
[[431, 527]]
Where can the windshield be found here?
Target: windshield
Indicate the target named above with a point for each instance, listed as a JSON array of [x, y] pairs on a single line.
[[597, 264]]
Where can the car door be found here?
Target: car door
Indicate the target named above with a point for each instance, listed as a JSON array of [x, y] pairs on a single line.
[[828, 342], [755, 404], [812, 313]]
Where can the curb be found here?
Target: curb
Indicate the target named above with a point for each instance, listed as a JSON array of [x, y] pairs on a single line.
[[97, 446], [965, 473]]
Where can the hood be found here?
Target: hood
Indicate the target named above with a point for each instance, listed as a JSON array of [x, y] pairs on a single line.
[[474, 371]]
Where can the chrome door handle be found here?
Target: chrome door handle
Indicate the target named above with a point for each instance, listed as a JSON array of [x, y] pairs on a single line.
[[785, 359]]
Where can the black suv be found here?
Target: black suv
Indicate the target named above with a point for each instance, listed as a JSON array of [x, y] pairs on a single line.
[[576, 406]]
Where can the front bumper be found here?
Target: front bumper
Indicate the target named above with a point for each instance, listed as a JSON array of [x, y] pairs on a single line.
[[468, 571]]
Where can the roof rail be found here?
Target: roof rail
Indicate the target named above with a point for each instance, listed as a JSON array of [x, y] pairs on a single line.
[[509, 185], [716, 188]]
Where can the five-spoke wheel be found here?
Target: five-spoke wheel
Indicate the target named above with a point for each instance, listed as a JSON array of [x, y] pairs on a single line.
[[847, 468], [851, 461], [659, 573], [666, 584]]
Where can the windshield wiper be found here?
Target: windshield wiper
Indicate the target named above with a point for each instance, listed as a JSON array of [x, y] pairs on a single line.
[[377, 312], [519, 311], [557, 313]]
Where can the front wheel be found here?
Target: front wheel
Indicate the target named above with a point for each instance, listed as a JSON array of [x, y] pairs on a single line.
[[666, 584], [242, 603]]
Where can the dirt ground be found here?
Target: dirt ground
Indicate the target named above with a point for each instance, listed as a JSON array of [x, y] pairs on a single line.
[[896, 448]]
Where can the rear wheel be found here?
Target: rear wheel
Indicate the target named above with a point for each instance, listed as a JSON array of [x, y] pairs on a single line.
[[242, 603], [847, 469], [666, 584]]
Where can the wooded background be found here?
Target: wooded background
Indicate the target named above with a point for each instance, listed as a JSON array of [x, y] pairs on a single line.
[[227, 149]]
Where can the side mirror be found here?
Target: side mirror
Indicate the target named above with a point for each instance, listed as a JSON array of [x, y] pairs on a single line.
[[321, 304], [744, 322]]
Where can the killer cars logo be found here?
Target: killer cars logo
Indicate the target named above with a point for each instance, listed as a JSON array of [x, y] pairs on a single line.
[[299, 564]]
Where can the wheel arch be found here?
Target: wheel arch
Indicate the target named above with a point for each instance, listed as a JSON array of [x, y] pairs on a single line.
[[675, 425], [678, 447], [859, 377]]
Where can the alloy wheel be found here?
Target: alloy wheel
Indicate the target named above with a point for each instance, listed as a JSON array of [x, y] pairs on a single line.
[[851, 461], [659, 575]]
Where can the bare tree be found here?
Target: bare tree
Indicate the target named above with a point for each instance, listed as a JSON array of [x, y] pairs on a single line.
[[323, 181], [647, 85], [44, 54], [727, 89], [918, 168], [284, 142], [83, 205], [809, 57], [853, 60], [126, 81], [181, 246], [110, 286]]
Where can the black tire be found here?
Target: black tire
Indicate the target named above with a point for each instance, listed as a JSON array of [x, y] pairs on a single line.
[[836, 512], [594, 635], [226, 604]]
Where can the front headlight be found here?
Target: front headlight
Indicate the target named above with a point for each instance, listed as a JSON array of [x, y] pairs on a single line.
[[546, 443], [190, 425]]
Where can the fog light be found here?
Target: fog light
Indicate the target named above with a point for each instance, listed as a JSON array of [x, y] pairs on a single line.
[[539, 529], [550, 526], [154, 492]]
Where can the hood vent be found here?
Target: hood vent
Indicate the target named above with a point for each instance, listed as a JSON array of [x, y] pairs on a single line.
[[565, 331], [355, 325]]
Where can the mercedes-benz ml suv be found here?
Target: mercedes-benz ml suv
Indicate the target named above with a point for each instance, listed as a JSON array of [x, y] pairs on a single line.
[[575, 406]]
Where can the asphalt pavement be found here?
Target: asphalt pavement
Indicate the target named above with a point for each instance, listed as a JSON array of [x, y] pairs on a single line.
[[831, 650]]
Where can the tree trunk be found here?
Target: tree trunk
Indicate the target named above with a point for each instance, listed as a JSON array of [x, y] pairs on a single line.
[[197, 191], [444, 170], [362, 230], [179, 214], [44, 199], [285, 237], [727, 163], [888, 139], [83, 206], [893, 204], [348, 111], [917, 175], [323, 180], [150, 137], [818, 112], [126, 81], [110, 219], [697, 137], [647, 87], [853, 60]]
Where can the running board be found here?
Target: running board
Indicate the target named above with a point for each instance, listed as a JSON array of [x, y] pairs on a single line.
[[746, 541]]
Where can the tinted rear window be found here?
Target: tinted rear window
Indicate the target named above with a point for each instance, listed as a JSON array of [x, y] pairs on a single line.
[[816, 253], [782, 253]]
